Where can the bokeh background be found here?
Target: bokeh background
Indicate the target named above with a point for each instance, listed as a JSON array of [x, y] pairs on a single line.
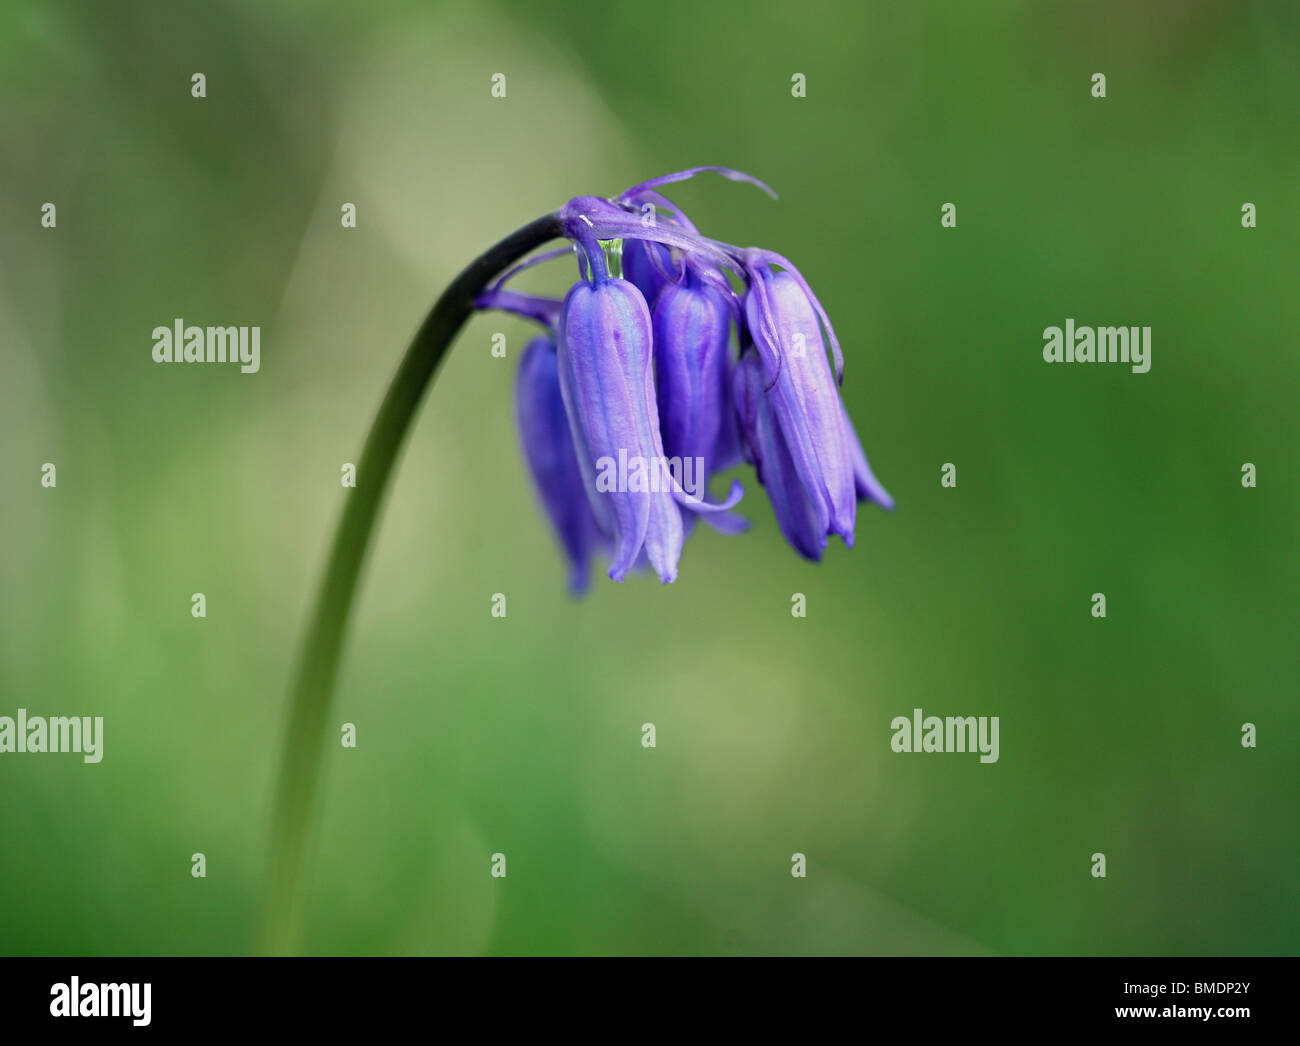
[[522, 735]]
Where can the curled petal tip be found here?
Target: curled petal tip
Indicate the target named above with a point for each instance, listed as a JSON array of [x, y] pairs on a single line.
[[727, 523], [545, 311], [730, 173]]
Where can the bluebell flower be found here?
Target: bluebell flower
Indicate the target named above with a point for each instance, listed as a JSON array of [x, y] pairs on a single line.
[[657, 401], [608, 384], [803, 396], [649, 267], [798, 515], [692, 329], [552, 461]]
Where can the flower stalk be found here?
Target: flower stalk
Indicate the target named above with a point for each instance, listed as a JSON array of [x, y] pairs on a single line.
[[318, 662]]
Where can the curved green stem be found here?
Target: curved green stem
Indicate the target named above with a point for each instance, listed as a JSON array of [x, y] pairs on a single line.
[[313, 686]]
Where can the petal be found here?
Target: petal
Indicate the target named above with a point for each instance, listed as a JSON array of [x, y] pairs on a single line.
[[648, 266], [528, 263], [727, 523], [767, 258], [586, 219], [607, 381], [552, 461], [805, 399], [692, 326], [661, 203], [680, 176], [545, 311], [867, 487], [797, 514]]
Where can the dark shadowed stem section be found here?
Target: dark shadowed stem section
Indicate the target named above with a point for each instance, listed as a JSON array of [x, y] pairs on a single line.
[[309, 701]]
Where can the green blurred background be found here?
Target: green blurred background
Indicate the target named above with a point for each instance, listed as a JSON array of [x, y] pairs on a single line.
[[522, 735]]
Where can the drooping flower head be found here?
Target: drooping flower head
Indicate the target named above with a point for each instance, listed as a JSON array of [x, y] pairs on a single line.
[[657, 401]]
